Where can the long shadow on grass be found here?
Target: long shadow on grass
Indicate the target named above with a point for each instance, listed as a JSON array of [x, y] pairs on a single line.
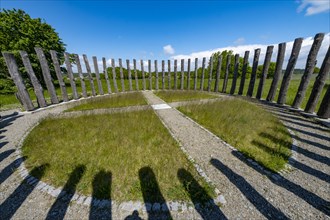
[[312, 134], [204, 204], [9, 207], [307, 153], [152, 194], [283, 118], [101, 190], [58, 209], [311, 198], [256, 199]]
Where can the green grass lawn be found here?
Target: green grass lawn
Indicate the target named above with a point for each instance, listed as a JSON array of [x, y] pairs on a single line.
[[253, 131], [10, 101], [112, 101], [120, 152], [177, 95]]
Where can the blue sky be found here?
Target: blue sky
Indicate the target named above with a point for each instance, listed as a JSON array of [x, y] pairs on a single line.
[[143, 29]]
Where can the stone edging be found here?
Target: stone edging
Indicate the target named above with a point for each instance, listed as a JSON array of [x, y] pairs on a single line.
[[176, 206]]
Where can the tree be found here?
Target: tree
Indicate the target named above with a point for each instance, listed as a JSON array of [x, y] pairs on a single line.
[[18, 31]]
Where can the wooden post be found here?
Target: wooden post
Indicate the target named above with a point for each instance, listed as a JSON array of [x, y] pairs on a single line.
[[143, 77], [58, 72], [236, 66], [182, 75], [210, 75], [81, 76], [97, 74], [324, 111], [309, 68], [254, 72], [121, 76], [289, 70], [196, 73], [156, 73], [169, 73], [163, 74], [46, 75], [278, 71], [113, 67], [18, 80], [175, 73], [319, 84], [264, 73], [105, 72], [89, 72], [203, 73], [217, 79], [34, 80], [129, 75], [225, 81], [188, 80], [244, 70], [136, 76], [150, 74], [70, 74]]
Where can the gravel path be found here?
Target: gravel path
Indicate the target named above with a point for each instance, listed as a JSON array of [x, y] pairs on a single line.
[[250, 192]]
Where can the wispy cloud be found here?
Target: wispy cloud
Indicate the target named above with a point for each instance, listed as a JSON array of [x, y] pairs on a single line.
[[313, 7], [168, 49], [239, 41], [301, 62]]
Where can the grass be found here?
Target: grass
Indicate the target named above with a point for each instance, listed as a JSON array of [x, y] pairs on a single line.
[[10, 101], [122, 156], [112, 101], [177, 95], [253, 131]]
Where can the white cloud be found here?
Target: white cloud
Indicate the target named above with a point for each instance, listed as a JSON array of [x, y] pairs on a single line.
[[301, 62], [168, 49], [313, 6], [239, 41]]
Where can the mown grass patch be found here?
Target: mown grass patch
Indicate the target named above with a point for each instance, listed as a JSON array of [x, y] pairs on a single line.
[[112, 101], [177, 95], [249, 128], [124, 155]]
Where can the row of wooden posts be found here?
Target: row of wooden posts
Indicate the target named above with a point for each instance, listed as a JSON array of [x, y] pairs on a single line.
[[323, 112]]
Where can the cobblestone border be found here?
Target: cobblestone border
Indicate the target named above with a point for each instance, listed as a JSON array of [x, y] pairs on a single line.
[[175, 206]]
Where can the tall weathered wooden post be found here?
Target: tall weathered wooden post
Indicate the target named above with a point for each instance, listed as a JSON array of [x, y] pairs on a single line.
[[277, 73], [121, 75], [129, 75], [169, 74], [114, 79], [58, 72], [289, 71], [89, 73], [38, 90], [81, 76], [182, 74], [224, 87], [196, 73], [105, 72], [188, 77], [136, 76], [319, 84], [309, 69], [254, 72], [236, 66], [46, 74], [143, 75], [210, 74], [203, 73], [18, 80], [264, 73], [70, 74], [244, 71], [97, 74], [217, 78], [175, 74]]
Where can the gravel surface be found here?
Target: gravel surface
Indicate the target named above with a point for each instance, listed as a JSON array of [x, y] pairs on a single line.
[[250, 192]]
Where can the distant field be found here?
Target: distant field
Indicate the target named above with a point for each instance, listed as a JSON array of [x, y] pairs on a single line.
[[10, 101]]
